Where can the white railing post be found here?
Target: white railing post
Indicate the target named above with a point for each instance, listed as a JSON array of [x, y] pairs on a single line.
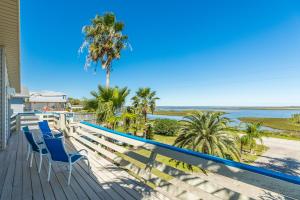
[[18, 123], [73, 130], [62, 121]]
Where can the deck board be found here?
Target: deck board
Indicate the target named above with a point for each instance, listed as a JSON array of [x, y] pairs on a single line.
[[46, 187], [105, 181], [9, 175], [17, 184], [5, 158], [26, 177]]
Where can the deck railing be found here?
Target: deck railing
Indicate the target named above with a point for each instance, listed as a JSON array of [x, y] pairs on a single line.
[[150, 161], [13, 123]]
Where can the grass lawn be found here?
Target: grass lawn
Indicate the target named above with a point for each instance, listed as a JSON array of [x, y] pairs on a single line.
[[250, 158], [165, 139]]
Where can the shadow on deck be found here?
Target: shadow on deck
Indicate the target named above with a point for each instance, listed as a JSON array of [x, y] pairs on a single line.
[[105, 181]]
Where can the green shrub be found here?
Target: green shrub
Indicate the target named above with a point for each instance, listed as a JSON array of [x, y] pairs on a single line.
[[167, 127]]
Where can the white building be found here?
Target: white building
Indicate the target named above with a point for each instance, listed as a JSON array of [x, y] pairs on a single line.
[[17, 102], [46, 101]]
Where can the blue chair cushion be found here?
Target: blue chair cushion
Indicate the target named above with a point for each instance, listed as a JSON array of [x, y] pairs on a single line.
[[75, 157], [56, 149]]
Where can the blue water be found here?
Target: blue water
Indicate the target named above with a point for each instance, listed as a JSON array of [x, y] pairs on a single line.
[[233, 113]]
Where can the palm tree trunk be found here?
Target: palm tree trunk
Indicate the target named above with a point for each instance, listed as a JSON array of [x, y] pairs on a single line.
[[107, 77]]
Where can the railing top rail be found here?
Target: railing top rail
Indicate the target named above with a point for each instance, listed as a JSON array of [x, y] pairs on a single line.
[[254, 169], [37, 113]]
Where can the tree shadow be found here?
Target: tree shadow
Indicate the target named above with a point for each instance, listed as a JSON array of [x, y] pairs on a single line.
[[114, 181], [285, 165], [270, 196]]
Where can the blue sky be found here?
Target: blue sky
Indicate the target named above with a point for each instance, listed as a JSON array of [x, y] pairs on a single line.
[[195, 52]]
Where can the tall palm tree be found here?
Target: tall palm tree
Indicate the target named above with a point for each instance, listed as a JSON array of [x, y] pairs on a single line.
[[206, 132], [110, 101], [104, 41], [145, 101], [253, 133]]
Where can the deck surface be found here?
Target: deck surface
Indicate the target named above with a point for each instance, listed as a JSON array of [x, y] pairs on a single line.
[[105, 180]]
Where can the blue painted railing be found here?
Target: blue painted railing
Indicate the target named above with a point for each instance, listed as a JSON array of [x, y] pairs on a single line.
[[258, 170]]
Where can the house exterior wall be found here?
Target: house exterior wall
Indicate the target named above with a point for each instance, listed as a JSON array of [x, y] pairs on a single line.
[[49, 106], [9, 62], [5, 106], [17, 104], [1, 99]]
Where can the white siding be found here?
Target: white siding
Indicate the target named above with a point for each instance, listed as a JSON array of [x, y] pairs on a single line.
[[1, 99], [4, 108]]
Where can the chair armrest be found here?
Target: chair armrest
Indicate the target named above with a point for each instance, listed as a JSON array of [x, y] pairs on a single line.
[[58, 135], [74, 154], [78, 152], [86, 152]]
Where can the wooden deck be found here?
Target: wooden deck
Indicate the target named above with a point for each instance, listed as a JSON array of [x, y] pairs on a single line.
[[106, 181]]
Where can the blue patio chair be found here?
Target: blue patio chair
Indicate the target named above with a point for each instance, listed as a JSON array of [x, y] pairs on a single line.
[[46, 131], [34, 147], [58, 153]]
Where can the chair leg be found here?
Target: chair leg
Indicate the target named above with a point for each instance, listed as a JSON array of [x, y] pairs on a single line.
[[31, 158], [70, 172], [28, 152], [49, 170], [89, 166], [40, 164]]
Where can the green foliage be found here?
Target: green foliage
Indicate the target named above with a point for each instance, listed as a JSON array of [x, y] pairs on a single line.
[[174, 112], [296, 119], [90, 105], [110, 101], [252, 133], [148, 131], [144, 101], [113, 121], [206, 132], [167, 127], [129, 117], [104, 41], [284, 124], [74, 101]]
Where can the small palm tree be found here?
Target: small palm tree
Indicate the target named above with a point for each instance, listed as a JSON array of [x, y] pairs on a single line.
[[104, 42], [110, 101], [145, 101], [148, 131], [112, 121], [128, 116], [206, 132], [253, 133]]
